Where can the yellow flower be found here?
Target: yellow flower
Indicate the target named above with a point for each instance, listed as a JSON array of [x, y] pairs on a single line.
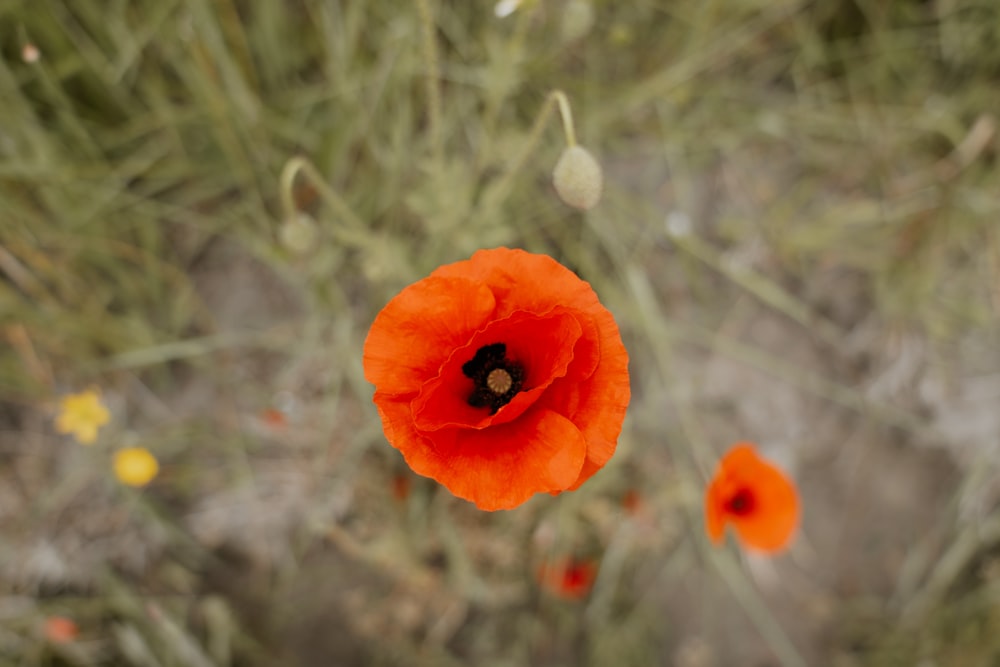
[[135, 466], [82, 414]]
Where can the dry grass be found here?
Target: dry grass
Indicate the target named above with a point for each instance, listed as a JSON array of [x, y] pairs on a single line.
[[798, 237]]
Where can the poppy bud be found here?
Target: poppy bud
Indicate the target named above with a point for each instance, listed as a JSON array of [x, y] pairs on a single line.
[[577, 19], [298, 234], [578, 178], [505, 8]]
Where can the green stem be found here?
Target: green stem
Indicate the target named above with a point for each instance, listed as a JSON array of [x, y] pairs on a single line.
[[566, 114], [432, 77], [558, 99], [291, 170]]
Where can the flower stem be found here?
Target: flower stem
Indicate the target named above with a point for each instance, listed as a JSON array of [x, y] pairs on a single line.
[[301, 164], [494, 102], [432, 77], [757, 610], [558, 99]]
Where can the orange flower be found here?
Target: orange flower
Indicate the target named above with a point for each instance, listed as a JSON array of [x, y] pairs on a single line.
[[568, 578], [500, 376], [755, 497]]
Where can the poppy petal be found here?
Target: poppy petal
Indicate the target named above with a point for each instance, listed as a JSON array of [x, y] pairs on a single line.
[[505, 269], [420, 327], [542, 451], [543, 346], [772, 526], [715, 521], [598, 405], [499, 467], [771, 520], [741, 460]]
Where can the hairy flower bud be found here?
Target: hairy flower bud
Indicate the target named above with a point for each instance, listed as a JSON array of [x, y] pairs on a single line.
[[298, 234], [577, 20], [578, 178]]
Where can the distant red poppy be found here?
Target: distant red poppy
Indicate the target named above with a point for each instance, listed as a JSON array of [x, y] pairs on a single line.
[[568, 578], [60, 630], [632, 502], [274, 418], [500, 376], [755, 497]]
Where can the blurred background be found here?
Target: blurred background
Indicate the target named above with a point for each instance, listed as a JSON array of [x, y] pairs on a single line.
[[798, 237]]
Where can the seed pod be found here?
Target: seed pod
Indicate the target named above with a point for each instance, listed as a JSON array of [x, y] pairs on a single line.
[[298, 234], [578, 178]]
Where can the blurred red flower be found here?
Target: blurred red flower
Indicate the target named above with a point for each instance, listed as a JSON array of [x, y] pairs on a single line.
[[632, 502], [60, 630], [756, 498], [273, 418], [568, 578], [500, 376]]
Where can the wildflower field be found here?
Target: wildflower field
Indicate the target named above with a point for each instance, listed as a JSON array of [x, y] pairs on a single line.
[[551, 332]]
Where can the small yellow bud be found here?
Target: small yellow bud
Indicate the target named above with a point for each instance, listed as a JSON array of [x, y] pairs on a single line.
[[298, 234], [578, 178], [135, 466], [82, 415]]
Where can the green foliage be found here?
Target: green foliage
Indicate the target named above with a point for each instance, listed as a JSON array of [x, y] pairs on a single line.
[[140, 204]]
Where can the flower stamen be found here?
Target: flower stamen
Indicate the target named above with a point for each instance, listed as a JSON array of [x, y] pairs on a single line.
[[496, 379], [742, 503], [499, 381]]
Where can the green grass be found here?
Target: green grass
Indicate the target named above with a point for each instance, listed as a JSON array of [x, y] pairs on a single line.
[[829, 169]]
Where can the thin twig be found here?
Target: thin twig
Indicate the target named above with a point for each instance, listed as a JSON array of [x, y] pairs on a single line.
[[290, 172]]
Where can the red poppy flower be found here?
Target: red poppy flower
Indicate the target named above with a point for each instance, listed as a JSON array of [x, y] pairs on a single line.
[[274, 418], [755, 497], [568, 578], [60, 630], [500, 376], [632, 502]]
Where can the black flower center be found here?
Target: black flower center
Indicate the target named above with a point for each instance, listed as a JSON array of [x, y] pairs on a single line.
[[496, 379], [742, 503]]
